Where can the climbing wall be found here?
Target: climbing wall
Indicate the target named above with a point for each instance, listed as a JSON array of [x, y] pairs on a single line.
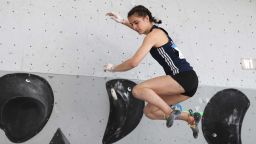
[[75, 37], [67, 42], [81, 111]]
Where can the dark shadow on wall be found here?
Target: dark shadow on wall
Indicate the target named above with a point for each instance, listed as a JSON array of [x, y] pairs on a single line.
[[26, 103]]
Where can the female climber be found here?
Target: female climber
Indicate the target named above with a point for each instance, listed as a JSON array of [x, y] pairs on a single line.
[[161, 93]]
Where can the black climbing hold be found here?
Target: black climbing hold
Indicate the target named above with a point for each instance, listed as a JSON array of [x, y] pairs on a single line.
[[59, 138], [125, 110], [26, 103], [223, 117]]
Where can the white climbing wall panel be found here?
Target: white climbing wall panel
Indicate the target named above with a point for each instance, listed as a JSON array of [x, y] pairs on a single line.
[[74, 37]]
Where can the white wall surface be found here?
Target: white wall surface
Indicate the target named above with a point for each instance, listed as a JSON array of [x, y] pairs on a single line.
[[75, 37]]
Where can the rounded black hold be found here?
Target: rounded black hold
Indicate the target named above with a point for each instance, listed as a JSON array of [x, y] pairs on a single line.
[[125, 110], [223, 117], [26, 103]]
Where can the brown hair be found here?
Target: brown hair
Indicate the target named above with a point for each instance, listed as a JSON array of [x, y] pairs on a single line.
[[142, 11]]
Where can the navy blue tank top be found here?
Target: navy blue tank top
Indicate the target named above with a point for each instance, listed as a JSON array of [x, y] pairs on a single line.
[[170, 57]]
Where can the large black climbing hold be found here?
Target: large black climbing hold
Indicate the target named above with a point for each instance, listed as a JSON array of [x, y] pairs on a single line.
[[223, 117], [125, 110], [26, 103], [59, 138]]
